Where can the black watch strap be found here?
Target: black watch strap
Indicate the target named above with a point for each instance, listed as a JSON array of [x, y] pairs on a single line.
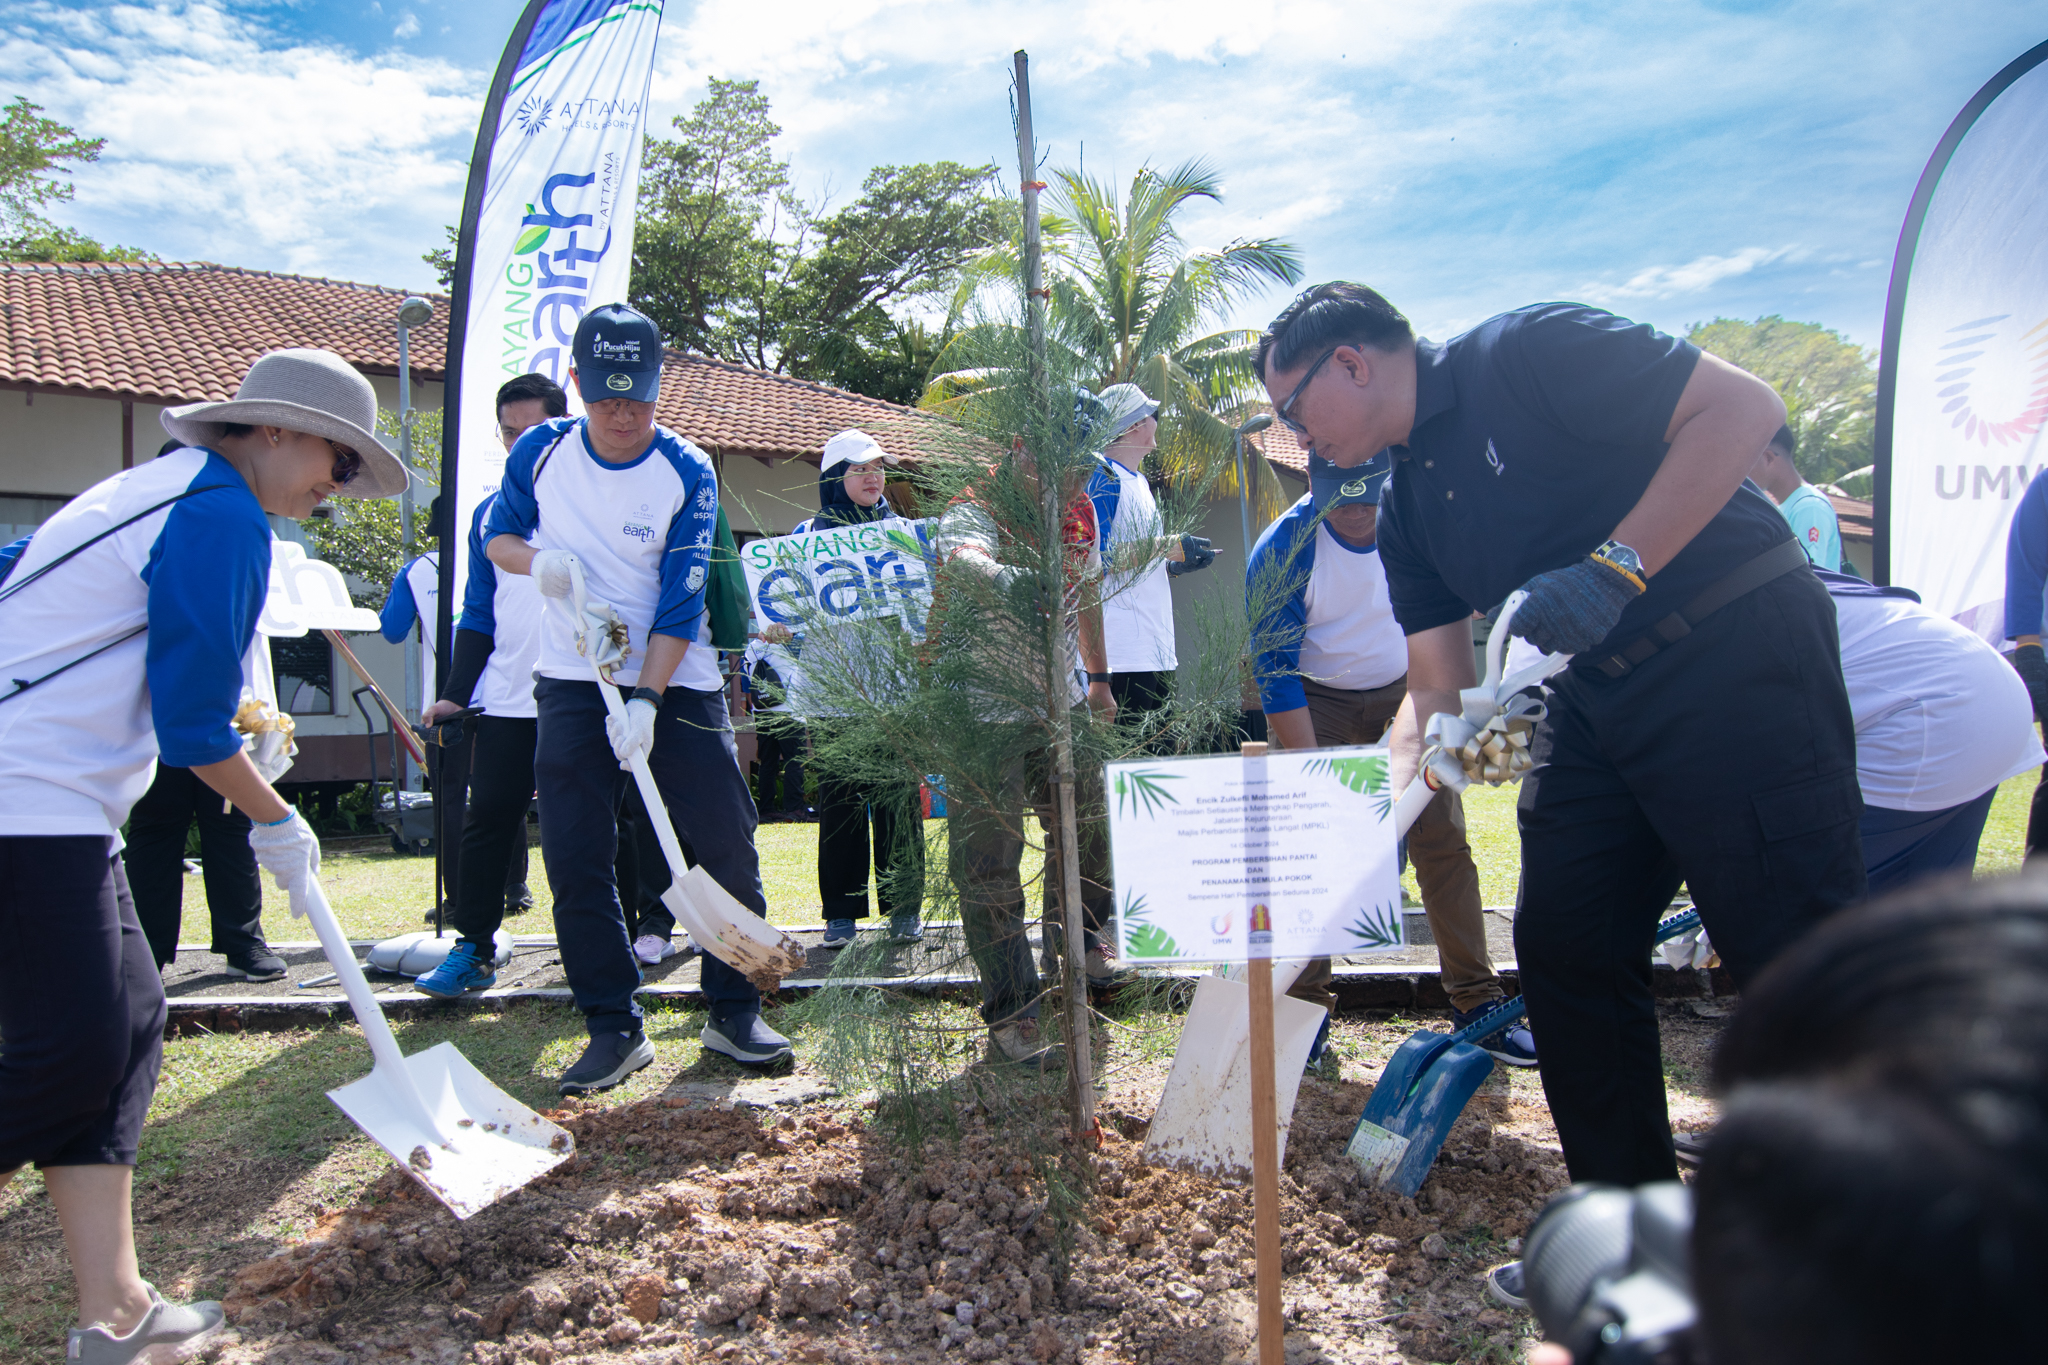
[[1098, 677], [646, 694]]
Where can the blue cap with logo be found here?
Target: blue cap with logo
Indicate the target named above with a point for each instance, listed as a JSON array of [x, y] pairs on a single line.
[[1335, 486], [617, 354]]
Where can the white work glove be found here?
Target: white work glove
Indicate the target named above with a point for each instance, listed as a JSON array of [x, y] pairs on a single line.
[[632, 733], [290, 852], [550, 570]]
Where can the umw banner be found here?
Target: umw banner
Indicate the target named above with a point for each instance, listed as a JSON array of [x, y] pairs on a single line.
[[547, 227], [1963, 378]]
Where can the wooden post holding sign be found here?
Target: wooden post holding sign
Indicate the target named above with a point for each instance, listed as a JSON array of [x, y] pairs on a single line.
[[1242, 859]]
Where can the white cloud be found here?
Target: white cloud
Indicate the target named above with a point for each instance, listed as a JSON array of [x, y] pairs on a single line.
[[219, 147], [408, 27], [1694, 277]]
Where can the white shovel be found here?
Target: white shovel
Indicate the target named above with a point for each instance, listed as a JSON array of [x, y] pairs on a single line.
[[1203, 1119], [467, 1141], [712, 916]]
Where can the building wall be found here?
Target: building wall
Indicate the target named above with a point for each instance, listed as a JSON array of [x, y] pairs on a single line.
[[770, 500]]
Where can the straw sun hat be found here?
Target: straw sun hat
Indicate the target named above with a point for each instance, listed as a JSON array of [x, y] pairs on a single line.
[[313, 391]]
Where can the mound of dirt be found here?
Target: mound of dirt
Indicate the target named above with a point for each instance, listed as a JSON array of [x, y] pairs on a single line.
[[684, 1233]]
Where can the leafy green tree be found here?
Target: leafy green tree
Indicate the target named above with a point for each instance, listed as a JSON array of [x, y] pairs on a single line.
[[1132, 304], [703, 248], [32, 152], [442, 258], [364, 538], [1829, 385]]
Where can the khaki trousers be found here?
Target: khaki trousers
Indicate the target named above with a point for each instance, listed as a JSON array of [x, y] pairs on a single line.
[[1437, 846]]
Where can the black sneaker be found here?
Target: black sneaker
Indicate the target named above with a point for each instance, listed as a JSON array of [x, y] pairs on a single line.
[[746, 1040], [261, 965], [1513, 1044], [518, 900], [1691, 1148], [608, 1059]]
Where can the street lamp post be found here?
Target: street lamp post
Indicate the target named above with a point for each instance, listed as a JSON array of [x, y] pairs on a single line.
[[414, 312], [1244, 493]]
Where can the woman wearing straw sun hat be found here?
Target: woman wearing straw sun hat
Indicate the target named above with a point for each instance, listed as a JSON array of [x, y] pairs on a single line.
[[124, 624]]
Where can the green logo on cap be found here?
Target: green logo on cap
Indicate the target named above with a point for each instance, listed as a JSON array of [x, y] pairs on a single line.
[[619, 383]]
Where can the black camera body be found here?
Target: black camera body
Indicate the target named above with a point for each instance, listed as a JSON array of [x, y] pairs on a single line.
[[1608, 1274]]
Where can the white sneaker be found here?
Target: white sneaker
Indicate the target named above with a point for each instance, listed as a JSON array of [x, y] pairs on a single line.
[[653, 948]]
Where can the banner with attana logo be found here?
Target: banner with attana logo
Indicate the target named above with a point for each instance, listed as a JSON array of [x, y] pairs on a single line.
[[552, 193], [1963, 396]]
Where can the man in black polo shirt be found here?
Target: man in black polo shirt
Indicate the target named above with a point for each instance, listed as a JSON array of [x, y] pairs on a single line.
[[1703, 732]]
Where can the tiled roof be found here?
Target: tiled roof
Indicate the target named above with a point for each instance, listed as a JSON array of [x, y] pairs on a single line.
[[735, 410], [1277, 444], [185, 333], [1854, 516]]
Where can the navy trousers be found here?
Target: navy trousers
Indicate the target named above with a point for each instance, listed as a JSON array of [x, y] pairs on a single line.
[[81, 1006], [1727, 761], [697, 770], [1902, 846]]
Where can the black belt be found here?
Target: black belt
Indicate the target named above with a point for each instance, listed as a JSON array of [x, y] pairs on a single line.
[[1780, 559]]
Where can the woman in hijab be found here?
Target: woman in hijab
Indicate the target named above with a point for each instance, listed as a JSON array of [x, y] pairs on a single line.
[[125, 622], [851, 478]]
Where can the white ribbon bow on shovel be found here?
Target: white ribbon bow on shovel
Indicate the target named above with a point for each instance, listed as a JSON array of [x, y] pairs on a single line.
[[1489, 740]]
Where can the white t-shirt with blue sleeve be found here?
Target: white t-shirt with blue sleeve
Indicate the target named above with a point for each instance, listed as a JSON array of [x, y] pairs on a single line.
[[506, 607], [642, 531], [1137, 604], [154, 621], [1321, 610]]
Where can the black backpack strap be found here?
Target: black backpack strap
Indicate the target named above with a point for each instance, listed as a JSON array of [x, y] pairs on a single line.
[[111, 530]]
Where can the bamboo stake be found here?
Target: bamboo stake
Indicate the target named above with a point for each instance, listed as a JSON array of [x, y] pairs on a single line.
[[1073, 984], [1265, 1145]]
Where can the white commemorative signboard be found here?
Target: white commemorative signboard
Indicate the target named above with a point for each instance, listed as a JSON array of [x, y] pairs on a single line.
[[1285, 855]]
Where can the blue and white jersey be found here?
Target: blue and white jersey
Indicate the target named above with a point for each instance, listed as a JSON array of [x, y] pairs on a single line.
[[1320, 610], [642, 531], [506, 607], [416, 596], [1137, 605], [169, 602]]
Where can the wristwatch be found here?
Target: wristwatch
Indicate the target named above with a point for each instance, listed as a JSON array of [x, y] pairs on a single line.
[[1098, 677], [1623, 560]]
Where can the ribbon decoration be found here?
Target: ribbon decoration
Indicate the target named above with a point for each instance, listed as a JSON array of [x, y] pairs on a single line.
[[1488, 741], [602, 637], [267, 735]]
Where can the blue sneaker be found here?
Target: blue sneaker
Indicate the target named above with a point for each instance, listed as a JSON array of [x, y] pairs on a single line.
[[838, 933], [745, 1039], [1515, 1044], [467, 967]]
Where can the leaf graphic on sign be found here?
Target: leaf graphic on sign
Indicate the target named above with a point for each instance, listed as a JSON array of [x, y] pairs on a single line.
[[1378, 927], [529, 240], [1366, 776], [1149, 940], [1145, 792]]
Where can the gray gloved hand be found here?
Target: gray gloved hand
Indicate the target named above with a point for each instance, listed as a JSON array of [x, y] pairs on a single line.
[[1570, 610], [290, 852], [1200, 555], [2032, 665]]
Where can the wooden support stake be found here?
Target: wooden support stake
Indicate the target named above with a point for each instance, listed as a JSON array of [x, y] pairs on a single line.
[[1265, 1147]]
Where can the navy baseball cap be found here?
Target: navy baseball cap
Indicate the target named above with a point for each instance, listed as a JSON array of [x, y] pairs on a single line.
[[617, 354], [1338, 487]]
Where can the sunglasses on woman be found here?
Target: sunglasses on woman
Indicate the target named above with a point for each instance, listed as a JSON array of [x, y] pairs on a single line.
[[347, 464]]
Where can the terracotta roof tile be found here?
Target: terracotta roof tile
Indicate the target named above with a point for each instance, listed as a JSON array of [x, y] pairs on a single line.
[[1277, 444], [736, 410], [186, 332]]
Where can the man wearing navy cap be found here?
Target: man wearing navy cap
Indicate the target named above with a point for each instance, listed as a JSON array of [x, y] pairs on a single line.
[[1332, 670], [635, 505], [1702, 733]]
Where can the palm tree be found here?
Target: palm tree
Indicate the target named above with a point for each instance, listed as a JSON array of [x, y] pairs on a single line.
[[1129, 303]]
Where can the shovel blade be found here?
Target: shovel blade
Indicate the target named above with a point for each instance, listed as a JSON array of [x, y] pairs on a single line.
[[1403, 1072], [1204, 1119], [730, 932], [1397, 1150], [488, 1143]]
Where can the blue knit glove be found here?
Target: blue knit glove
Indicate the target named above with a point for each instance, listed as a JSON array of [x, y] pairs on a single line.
[[1571, 610], [1200, 555], [2032, 666]]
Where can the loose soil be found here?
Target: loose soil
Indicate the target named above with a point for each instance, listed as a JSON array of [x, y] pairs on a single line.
[[687, 1231]]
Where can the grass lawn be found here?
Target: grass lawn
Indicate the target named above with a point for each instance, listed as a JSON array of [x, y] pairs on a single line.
[[380, 893]]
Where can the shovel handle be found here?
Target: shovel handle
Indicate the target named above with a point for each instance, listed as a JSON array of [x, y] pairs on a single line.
[[1493, 1021], [383, 1047]]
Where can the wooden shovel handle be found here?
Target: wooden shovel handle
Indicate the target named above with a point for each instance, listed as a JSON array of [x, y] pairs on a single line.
[[391, 712]]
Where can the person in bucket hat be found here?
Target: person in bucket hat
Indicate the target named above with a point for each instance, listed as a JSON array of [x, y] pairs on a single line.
[[126, 623]]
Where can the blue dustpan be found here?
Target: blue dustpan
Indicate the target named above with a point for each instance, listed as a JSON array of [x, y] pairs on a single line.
[[1425, 1085]]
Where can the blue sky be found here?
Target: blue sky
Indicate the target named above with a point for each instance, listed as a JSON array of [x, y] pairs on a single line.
[[1670, 159]]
